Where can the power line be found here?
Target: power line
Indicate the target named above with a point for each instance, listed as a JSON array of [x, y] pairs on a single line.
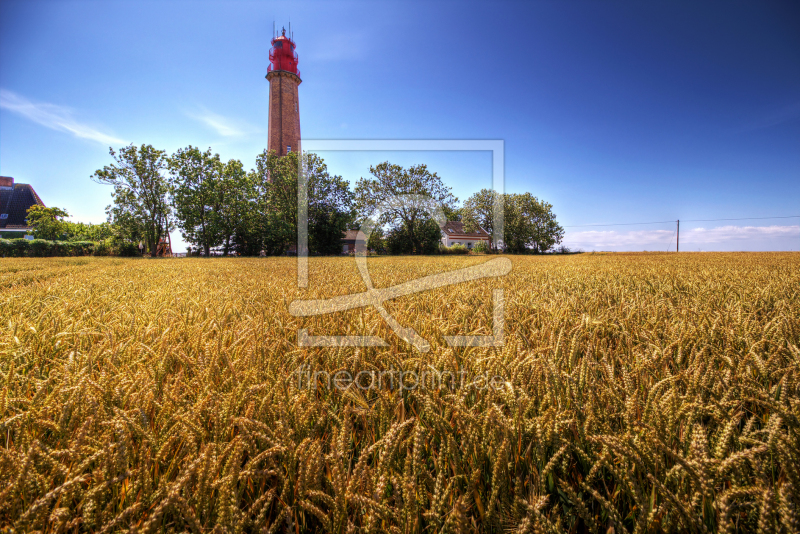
[[743, 219], [685, 220], [616, 224]]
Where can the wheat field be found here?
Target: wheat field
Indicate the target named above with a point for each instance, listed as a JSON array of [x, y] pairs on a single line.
[[634, 393]]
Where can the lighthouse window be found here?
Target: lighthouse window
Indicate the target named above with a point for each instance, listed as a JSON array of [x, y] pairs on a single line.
[[279, 45]]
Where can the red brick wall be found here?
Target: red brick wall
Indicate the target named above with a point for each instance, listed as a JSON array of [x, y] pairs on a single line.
[[6, 181], [284, 112]]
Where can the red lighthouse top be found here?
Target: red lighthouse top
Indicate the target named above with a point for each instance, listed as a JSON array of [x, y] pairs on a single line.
[[282, 55]]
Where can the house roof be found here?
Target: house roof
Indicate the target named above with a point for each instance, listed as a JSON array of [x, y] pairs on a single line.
[[14, 203], [350, 235], [456, 229]]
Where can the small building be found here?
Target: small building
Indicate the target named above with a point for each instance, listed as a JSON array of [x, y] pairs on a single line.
[[453, 233], [15, 199], [349, 238]]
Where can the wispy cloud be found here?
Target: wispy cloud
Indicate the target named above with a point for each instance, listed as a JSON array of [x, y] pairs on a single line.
[[55, 117], [224, 126], [788, 113], [610, 239], [722, 234], [663, 239]]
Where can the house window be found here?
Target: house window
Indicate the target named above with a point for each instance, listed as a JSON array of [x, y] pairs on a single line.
[[288, 148], [3, 215]]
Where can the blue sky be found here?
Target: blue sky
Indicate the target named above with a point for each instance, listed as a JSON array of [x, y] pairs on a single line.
[[612, 111]]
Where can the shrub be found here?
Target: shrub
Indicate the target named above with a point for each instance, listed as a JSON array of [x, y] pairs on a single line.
[[103, 248], [14, 248], [453, 249], [40, 248], [81, 248], [11, 235], [72, 248], [127, 249], [482, 248]]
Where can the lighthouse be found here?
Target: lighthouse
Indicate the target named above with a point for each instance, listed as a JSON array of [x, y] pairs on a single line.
[[284, 107]]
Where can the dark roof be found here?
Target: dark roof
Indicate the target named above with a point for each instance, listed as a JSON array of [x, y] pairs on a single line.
[[350, 235], [456, 228], [14, 204]]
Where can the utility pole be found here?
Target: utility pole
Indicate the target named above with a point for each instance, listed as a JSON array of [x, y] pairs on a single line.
[[678, 246]]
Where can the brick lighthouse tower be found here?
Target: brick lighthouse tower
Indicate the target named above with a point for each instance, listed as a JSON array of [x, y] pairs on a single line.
[[284, 109]]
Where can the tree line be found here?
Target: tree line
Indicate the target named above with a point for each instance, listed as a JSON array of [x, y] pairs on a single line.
[[220, 207]]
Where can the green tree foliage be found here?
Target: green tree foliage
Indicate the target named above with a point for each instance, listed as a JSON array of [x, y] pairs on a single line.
[[428, 234], [386, 192], [235, 199], [330, 207], [529, 223], [452, 213], [248, 234], [210, 197], [477, 212], [329, 203], [47, 223], [219, 205], [80, 232], [141, 209], [377, 241], [50, 224], [195, 179], [278, 180]]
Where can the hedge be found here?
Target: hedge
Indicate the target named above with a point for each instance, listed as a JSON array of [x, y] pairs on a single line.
[[458, 248], [40, 248]]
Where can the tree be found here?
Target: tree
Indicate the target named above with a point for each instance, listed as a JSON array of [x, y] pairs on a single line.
[[78, 231], [330, 207], [277, 200], [377, 241], [141, 209], [478, 212], [329, 203], [195, 178], [396, 193], [47, 223], [399, 240], [529, 224], [233, 200], [248, 232], [452, 214]]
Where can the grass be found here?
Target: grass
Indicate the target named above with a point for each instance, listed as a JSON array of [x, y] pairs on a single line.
[[639, 392]]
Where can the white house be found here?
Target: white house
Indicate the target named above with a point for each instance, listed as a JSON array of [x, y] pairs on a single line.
[[453, 233]]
